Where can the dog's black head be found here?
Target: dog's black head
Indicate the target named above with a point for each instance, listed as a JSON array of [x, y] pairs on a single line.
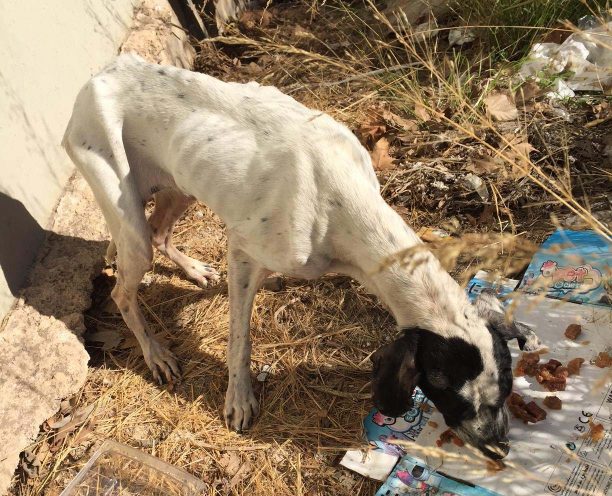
[[468, 384]]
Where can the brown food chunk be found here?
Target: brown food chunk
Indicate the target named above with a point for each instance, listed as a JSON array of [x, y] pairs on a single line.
[[573, 366], [449, 436], [433, 424], [552, 364], [603, 360], [527, 364], [553, 403], [538, 413], [596, 432], [552, 375], [529, 412], [495, 465], [573, 331]]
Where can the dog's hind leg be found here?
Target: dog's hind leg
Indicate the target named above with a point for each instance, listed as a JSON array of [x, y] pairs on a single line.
[[98, 153], [169, 206], [133, 260]]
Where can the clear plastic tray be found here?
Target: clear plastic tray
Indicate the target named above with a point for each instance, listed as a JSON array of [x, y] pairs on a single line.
[[119, 470]]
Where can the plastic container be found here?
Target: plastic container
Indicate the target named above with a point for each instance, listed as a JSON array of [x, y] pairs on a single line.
[[119, 470]]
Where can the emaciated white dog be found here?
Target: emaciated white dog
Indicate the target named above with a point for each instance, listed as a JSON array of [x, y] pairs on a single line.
[[298, 195]]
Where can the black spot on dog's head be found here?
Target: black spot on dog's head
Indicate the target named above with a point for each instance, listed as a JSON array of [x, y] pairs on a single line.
[[451, 373]]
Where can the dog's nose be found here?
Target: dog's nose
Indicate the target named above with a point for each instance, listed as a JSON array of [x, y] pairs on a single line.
[[496, 451]]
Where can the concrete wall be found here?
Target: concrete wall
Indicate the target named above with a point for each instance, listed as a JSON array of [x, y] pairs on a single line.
[[48, 50]]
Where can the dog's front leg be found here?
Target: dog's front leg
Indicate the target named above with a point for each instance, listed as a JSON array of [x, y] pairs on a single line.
[[244, 279]]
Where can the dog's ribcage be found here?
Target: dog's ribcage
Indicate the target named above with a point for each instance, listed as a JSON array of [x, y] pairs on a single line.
[[272, 169]]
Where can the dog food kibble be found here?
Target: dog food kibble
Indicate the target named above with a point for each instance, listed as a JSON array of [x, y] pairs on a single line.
[[538, 413], [573, 366], [495, 466], [449, 436], [552, 375], [603, 360], [527, 364], [596, 432], [527, 412], [552, 402], [573, 331]]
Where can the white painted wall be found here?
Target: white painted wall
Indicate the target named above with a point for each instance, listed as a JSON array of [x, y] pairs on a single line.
[[48, 50]]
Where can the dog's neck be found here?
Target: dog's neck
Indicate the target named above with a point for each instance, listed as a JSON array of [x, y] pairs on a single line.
[[417, 290], [421, 293]]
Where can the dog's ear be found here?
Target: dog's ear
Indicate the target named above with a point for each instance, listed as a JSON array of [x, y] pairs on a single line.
[[491, 310], [408, 374], [395, 375]]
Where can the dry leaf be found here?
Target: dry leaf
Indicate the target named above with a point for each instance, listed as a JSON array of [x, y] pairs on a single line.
[[242, 473], [486, 165], [230, 462], [524, 149], [527, 92], [500, 107], [76, 420], [109, 338], [519, 153], [421, 112], [131, 343], [381, 160], [252, 18], [430, 234], [371, 131], [399, 122]]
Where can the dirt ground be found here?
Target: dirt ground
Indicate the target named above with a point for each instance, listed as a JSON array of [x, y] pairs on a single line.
[[316, 336]]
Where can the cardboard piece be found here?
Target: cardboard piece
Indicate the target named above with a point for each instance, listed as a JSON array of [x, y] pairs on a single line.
[[373, 464], [555, 456], [572, 266]]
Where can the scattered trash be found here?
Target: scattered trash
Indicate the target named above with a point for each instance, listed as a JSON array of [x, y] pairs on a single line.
[[376, 465], [119, 469], [30, 464], [414, 12], [572, 266], [263, 373], [476, 184], [583, 62], [483, 280], [274, 284], [413, 476], [381, 430], [533, 447], [460, 36]]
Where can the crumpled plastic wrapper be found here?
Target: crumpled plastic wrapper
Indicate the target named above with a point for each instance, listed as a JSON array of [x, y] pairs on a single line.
[[587, 55]]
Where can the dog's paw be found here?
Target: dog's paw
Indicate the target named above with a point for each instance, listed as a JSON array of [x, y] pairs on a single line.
[[162, 363], [241, 407], [202, 274]]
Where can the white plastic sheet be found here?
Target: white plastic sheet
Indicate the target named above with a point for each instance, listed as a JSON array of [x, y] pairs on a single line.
[[583, 62]]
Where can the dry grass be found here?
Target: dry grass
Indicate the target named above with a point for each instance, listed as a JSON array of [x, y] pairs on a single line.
[[427, 100]]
